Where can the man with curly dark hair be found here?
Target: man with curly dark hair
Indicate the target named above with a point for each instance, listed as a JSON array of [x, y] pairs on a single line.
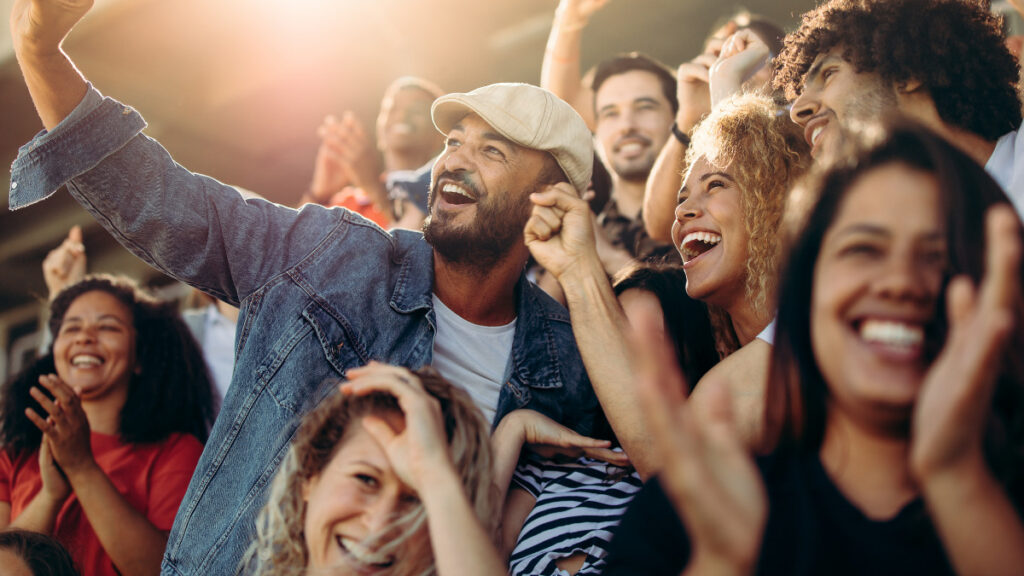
[[941, 62]]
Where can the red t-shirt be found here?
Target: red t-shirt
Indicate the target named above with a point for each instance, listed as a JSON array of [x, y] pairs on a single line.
[[358, 201], [151, 477]]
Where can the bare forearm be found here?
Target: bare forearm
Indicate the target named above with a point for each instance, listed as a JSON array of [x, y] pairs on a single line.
[[976, 521], [54, 83], [506, 445], [460, 543], [39, 516], [662, 191], [560, 71], [134, 544], [600, 328]]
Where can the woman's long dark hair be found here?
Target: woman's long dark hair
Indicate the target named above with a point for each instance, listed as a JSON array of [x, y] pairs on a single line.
[[966, 192], [171, 393]]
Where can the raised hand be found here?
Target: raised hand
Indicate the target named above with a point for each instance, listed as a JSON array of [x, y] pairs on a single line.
[[41, 25], [742, 56], [346, 156], [560, 231], [65, 428], [65, 264], [420, 447], [707, 473], [576, 13], [955, 398]]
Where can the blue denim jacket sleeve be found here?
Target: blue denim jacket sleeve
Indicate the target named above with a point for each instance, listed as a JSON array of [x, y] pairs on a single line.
[[189, 226]]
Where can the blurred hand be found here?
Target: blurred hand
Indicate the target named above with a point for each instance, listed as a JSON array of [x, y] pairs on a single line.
[[418, 449], [560, 232], [693, 78], [954, 402], [41, 25], [346, 156], [65, 264], [65, 428], [707, 473]]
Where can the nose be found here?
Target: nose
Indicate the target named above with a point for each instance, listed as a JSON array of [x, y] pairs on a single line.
[[688, 209], [381, 513], [86, 333], [804, 107], [457, 159], [903, 279]]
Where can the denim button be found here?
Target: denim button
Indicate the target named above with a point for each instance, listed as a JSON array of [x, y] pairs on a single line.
[[14, 185]]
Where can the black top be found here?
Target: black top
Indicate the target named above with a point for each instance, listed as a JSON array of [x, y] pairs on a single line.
[[812, 529]]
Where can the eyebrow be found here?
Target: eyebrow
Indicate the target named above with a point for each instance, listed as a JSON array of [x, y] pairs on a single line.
[[368, 465], [815, 68], [103, 317], [489, 135], [710, 175], [877, 230]]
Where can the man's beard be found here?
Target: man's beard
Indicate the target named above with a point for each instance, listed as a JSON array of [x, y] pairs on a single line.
[[479, 245]]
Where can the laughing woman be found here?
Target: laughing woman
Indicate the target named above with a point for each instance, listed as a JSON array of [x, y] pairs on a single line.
[[899, 343], [101, 436]]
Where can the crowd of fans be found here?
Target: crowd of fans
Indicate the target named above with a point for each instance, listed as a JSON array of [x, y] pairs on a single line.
[[763, 314]]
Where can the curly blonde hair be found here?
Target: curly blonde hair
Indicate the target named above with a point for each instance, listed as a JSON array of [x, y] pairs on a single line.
[[280, 549], [752, 137]]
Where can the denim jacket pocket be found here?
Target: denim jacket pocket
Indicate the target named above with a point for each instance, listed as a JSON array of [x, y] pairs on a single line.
[[305, 342]]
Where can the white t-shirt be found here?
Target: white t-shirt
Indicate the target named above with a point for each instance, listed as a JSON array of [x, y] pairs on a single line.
[[471, 356], [1006, 165]]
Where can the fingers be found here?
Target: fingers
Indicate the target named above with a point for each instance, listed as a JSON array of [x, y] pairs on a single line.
[[544, 223], [613, 457], [62, 393], [41, 423], [1002, 259], [379, 429], [75, 235]]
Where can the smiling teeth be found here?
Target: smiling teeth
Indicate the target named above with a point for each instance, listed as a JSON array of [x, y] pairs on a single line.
[[708, 238], [815, 133], [892, 333], [363, 554], [86, 360], [456, 189]]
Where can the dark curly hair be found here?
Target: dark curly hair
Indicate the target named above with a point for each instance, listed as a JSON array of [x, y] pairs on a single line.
[[43, 554], [953, 47], [172, 392]]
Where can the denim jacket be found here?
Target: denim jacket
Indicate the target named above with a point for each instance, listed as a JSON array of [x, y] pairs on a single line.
[[321, 291]]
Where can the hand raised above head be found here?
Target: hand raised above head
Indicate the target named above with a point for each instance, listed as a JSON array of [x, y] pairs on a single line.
[[576, 13], [41, 25], [65, 265], [742, 55]]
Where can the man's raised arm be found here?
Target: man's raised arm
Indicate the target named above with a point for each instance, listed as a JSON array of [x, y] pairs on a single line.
[[37, 29]]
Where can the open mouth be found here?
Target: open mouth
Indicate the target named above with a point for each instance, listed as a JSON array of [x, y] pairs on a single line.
[[696, 243], [363, 556], [454, 194]]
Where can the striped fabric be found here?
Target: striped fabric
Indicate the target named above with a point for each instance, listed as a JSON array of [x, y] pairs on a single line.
[[579, 504]]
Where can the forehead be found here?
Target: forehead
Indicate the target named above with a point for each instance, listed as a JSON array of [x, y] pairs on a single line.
[[894, 196], [97, 303], [408, 96], [628, 86]]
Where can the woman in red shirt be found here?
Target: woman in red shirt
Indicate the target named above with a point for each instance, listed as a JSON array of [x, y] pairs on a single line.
[[101, 435]]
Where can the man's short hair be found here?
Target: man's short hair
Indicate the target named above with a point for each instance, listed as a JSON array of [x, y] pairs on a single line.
[[954, 48], [636, 61]]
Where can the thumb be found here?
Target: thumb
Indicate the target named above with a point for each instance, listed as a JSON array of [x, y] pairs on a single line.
[[75, 234], [379, 430]]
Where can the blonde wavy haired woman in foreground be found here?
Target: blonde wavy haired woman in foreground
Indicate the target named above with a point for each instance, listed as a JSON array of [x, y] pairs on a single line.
[[392, 475]]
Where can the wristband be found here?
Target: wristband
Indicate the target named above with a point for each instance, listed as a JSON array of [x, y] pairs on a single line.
[[681, 136]]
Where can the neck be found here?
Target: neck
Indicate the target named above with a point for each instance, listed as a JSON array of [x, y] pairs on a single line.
[[484, 297], [629, 196], [746, 321], [920, 106], [869, 467], [406, 159], [978, 148], [104, 415]]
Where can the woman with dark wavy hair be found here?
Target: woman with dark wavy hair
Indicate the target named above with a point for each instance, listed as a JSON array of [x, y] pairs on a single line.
[[101, 435], [899, 341]]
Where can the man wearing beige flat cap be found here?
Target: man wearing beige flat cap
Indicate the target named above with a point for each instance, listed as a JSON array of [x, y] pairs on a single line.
[[323, 290]]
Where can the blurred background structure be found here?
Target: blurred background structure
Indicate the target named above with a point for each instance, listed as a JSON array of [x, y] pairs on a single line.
[[236, 89]]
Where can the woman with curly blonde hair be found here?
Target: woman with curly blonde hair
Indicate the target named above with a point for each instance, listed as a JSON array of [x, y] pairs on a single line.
[[741, 163], [392, 476]]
